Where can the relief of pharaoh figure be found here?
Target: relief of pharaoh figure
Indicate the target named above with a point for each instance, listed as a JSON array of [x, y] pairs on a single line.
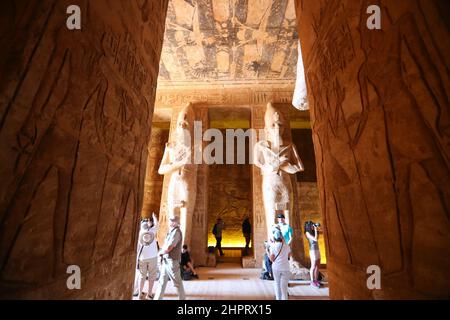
[[277, 161], [178, 162]]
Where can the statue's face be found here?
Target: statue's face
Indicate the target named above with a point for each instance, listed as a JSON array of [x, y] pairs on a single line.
[[182, 125], [275, 127]]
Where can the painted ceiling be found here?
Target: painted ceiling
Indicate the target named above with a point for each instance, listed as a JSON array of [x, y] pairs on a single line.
[[229, 42]]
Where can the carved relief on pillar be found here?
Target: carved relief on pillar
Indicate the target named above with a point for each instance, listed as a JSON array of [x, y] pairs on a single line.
[[381, 120], [230, 96], [259, 220], [75, 123], [199, 237], [153, 181]]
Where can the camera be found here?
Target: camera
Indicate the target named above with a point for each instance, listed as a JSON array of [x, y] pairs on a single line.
[[309, 225]]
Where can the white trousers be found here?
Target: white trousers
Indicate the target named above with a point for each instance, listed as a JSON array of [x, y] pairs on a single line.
[[281, 284], [170, 269]]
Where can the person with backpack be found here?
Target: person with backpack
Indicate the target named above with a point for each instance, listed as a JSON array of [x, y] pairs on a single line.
[[217, 232], [170, 260], [147, 258], [279, 255]]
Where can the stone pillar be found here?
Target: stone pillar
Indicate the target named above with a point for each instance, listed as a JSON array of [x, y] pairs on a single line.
[[259, 228], [310, 210], [153, 180], [380, 117], [75, 110], [199, 240], [259, 234]]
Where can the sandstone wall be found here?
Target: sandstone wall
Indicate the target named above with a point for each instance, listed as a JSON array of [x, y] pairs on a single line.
[[309, 204], [75, 108], [380, 117], [230, 198], [153, 180]]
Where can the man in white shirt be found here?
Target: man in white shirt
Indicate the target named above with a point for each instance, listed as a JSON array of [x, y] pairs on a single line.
[[148, 256]]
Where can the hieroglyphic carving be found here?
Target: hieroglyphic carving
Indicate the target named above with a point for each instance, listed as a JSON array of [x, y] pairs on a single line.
[[228, 42], [200, 230], [230, 197], [238, 96], [259, 230], [379, 105], [154, 181], [122, 51], [74, 137]]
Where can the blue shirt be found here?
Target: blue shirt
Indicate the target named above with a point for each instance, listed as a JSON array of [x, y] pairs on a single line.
[[286, 231]]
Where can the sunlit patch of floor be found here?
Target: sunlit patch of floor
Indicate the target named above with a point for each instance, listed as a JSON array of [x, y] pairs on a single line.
[[229, 281]]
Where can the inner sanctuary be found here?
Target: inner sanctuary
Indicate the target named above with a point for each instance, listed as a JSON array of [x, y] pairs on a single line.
[[239, 128]]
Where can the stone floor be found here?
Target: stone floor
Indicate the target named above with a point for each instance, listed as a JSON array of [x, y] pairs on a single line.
[[229, 281]]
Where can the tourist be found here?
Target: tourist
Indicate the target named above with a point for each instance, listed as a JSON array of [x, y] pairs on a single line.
[[312, 234], [267, 274], [170, 260], [186, 262], [279, 255], [217, 232], [246, 232], [285, 228], [147, 257], [137, 275]]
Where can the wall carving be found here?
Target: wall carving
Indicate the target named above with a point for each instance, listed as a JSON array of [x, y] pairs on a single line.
[[224, 97], [154, 181], [230, 199], [380, 114], [76, 109], [229, 42]]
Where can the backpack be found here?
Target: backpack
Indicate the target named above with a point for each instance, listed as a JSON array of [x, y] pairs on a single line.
[[214, 230]]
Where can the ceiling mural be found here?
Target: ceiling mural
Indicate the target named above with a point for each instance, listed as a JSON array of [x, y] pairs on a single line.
[[229, 42]]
